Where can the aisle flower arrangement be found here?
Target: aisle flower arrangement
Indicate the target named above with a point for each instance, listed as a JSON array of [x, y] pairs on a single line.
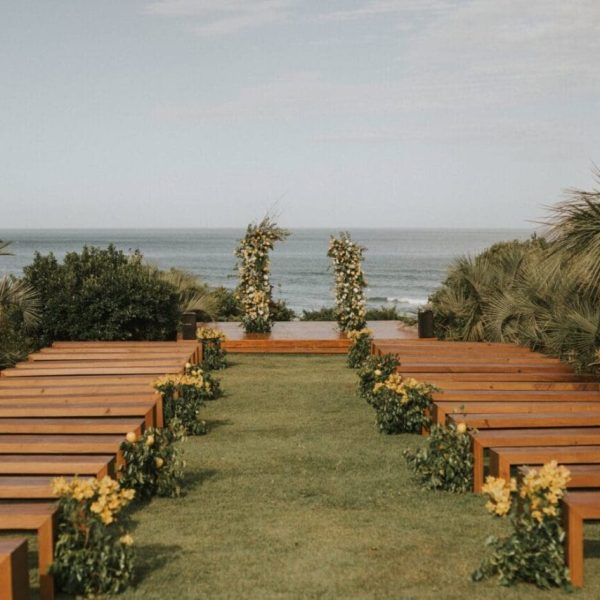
[[402, 404], [254, 267], [94, 553], [534, 551], [153, 463], [375, 369], [446, 460], [346, 257], [360, 347], [213, 355], [184, 395]]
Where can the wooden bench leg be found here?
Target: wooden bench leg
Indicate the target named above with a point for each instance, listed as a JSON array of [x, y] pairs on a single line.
[[14, 574], [45, 536], [478, 458], [160, 413], [574, 544]]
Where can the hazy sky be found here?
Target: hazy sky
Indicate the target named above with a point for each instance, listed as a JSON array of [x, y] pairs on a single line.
[[398, 113]]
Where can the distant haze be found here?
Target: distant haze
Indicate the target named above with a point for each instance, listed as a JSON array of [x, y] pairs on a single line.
[[345, 113]]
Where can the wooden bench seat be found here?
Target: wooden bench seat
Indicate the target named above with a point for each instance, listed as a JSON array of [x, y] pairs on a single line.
[[144, 410], [163, 364], [540, 386], [516, 395], [14, 575], [72, 381], [525, 438], [110, 355], [442, 409], [578, 507], [503, 459], [528, 420], [41, 519], [75, 425], [87, 370], [60, 444], [441, 379], [34, 487], [57, 464], [443, 368]]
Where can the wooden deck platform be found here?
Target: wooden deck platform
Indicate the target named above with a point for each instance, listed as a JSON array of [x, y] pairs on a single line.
[[305, 337]]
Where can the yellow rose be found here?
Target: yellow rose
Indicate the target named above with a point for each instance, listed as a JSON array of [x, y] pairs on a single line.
[[126, 540], [461, 428], [131, 437], [150, 441], [159, 462]]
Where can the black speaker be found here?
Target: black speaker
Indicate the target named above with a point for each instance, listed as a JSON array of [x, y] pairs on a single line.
[[426, 324], [188, 326]]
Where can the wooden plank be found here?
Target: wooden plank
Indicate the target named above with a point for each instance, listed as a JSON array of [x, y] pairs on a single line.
[[582, 476], [14, 576], [41, 519], [107, 356], [516, 395], [71, 425], [70, 381], [162, 364], [56, 372], [61, 464], [483, 440], [528, 420], [442, 379], [540, 386], [60, 444], [443, 368], [35, 487]]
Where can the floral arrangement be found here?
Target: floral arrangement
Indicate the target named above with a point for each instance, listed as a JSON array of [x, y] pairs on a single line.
[[402, 404], [213, 355], [446, 460], [153, 462], [184, 395], [255, 290], [534, 551], [350, 282], [375, 369], [94, 553], [360, 348]]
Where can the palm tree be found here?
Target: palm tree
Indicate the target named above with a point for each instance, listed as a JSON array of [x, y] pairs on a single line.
[[574, 229], [17, 296]]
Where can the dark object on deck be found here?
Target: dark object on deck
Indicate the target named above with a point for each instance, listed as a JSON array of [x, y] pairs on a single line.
[[425, 324], [188, 329]]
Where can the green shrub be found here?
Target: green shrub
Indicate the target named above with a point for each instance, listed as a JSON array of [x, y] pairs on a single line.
[[102, 294], [360, 348], [280, 311], [213, 355], [389, 313], [153, 461], [226, 305], [375, 369], [535, 550], [327, 313], [94, 554], [402, 405], [446, 462]]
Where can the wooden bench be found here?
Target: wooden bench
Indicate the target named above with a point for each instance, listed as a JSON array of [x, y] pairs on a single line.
[[582, 476], [526, 438], [57, 464], [48, 371], [60, 444], [14, 575], [503, 459], [527, 420], [578, 507], [34, 487], [71, 425], [40, 518], [442, 409], [73, 381], [515, 395], [163, 365]]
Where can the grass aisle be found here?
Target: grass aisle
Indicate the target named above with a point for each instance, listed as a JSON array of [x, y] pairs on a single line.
[[295, 495]]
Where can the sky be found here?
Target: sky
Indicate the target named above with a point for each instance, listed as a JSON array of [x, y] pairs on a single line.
[[330, 113]]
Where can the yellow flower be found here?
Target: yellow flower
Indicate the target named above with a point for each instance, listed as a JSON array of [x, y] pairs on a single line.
[[131, 437], [126, 540], [159, 462], [96, 507], [461, 428], [150, 440]]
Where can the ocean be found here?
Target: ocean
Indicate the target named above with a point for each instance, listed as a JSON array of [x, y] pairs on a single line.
[[403, 266]]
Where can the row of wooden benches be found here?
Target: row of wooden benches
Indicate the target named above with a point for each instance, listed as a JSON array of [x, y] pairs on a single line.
[[66, 411], [525, 409]]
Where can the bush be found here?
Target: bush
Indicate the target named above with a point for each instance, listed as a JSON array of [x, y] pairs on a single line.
[[389, 313], [102, 294], [153, 463], [213, 355], [535, 550], [360, 348], [94, 554], [374, 370], [226, 305], [446, 462], [402, 405], [327, 313]]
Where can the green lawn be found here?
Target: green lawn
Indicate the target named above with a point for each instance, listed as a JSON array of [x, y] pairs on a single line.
[[294, 494]]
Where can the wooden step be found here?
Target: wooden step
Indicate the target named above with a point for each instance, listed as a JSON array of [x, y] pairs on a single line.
[[61, 464], [60, 444]]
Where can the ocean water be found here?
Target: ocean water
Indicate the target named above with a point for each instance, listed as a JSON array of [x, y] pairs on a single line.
[[403, 266]]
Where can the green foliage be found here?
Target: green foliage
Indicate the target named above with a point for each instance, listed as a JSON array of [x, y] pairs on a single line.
[[280, 311], [383, 313], [402, 405], [153, 461], [102, 294], [375, 369], [193, 294], [360, 348], [94, 554], [446, 462], [326, 313], [213, 355], [535, 550], [227, 305]]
